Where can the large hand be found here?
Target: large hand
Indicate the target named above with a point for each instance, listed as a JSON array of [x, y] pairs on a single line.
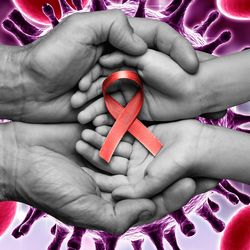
[[45, 172], [50, 68]]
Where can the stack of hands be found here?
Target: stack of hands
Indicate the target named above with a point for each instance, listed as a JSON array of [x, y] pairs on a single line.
[[52, 90]]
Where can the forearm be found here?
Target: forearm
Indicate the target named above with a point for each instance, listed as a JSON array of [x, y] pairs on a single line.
[[8, 153], [224, 82], [224, 153], [12, 79]]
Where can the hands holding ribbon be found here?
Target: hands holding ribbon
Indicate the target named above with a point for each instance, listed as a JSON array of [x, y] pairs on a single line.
[[39, 165]]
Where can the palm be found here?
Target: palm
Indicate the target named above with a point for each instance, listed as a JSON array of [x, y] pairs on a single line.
[[50, 176]]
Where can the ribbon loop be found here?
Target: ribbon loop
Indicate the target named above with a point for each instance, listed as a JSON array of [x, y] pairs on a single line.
[[126, 117]]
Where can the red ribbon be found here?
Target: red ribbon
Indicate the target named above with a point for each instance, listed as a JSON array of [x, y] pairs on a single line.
[[126, 117]]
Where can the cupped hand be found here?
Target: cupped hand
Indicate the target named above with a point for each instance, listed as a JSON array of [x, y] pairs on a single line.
[[48, 174]]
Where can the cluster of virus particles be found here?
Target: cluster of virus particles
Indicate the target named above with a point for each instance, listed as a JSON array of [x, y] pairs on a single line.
[[202, 205]]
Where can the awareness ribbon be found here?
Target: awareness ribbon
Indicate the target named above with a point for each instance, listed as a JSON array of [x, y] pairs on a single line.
[[126, 117]]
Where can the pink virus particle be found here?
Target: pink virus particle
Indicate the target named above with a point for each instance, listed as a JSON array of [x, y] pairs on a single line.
[[7, 214], [202, 205], [235, 9], [236, 234]]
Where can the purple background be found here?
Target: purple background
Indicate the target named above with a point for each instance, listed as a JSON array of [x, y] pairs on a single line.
[[205, 238]]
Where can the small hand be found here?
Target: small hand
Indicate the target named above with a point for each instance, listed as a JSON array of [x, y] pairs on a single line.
[[168, 191]]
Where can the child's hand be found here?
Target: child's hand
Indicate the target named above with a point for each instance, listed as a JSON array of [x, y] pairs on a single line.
[[132, 165], [170, 93]]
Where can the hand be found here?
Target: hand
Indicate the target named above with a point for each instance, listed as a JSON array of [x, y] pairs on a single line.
[[50, 68], [169, 92], [44, 171], [135, 163]]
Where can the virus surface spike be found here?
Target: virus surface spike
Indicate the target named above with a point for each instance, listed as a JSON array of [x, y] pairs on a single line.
[[99, 244], [202, 28], [77, 4], [24, 228], [98, 5], [137, 244], [186, 226], [169, 235], [49, 12], [60, 233], [155, 233], [244, 198], [25, 26], [65, 7], [224, 37], [213, 205], [141, 9], [22, 37], [206, 213], [75, 240], [176, 18], [173, 6], [230, 196]]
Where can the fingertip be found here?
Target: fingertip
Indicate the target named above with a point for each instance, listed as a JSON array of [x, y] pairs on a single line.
[[84, 84], [184, 54], [80, 147], [178, 194], [77, 100], [83, 117]]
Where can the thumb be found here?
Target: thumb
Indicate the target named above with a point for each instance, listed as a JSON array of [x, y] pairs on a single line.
[[113, 27], [117, 218]]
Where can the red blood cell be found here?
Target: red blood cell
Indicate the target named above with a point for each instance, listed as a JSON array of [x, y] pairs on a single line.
[[33, 9], [7, 214], [236, 234], [237, 9]]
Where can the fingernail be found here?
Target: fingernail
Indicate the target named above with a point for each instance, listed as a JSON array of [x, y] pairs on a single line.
[[105, 57], [146, 215]]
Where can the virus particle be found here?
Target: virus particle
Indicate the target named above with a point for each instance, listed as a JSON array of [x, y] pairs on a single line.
[[235, 9], [7, 214], [52, 12], [236, 234], [33, 9]]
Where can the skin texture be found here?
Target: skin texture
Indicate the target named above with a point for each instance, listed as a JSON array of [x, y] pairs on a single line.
[[42, 169], [179, 154], [42, 76], [170, 93]]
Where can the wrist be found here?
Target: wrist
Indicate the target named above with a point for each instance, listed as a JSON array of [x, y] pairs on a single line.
[[13, 80], [8, 160], [204, 151]]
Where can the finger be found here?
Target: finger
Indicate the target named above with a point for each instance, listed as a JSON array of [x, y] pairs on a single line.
[[204, 184], [215, 115], [179, 193], [94, 91], [103, 120], [92, 111], [97, 108], [117, 165], [161, 172], [95, 73], [124, 149], [162, 37], [106, 183], [116, 218], [118, 59], [104, 130], [111, 26]]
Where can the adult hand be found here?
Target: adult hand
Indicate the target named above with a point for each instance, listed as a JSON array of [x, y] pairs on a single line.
[[41, 168], [47, 71]]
